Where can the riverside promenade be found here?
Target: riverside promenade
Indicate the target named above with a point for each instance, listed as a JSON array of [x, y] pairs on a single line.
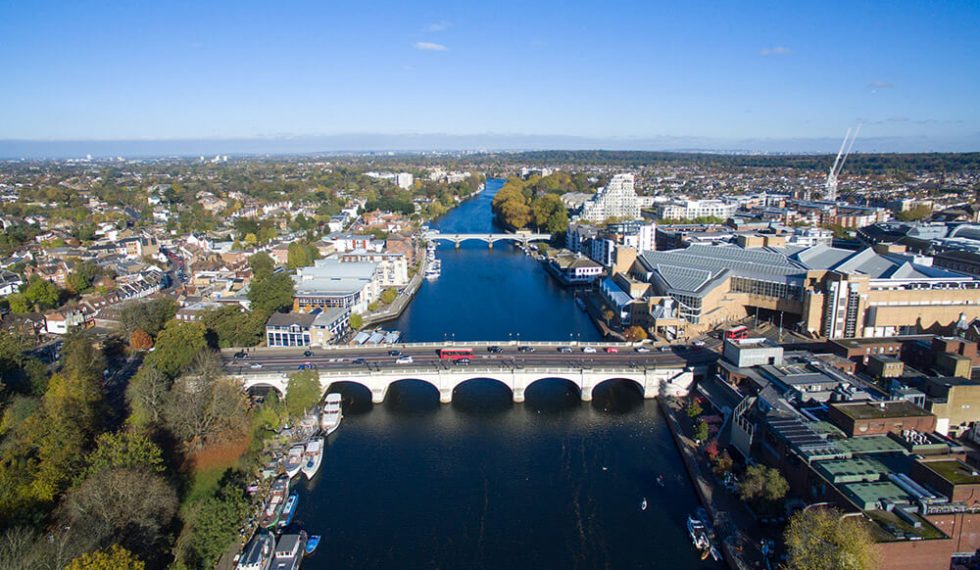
[[733, 524]]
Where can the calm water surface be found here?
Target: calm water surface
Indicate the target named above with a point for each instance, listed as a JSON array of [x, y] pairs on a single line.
[[485, 483]]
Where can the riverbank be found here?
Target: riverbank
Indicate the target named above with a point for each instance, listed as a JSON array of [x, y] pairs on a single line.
[[729, 518]]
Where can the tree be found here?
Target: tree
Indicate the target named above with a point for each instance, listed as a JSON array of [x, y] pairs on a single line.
[[635, 333], [271, 294], [917, 213], [177, 345], [42, 295], [388, 296], [134, 506], [262, 265], [701, 431], [694, 409], [763, 483], [81, 278], [146, 394], [820, 539], [113, 558], [302, 392], [229, 326], [151, 316], [19, 305], [203, 406], [608, 315], [140, 340], [723, 463], [300, 254], [127, 449], [215, 525], [356, 321], [550, 214]]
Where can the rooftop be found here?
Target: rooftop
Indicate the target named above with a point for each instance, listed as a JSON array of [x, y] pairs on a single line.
[[956, 472], [880, 410]]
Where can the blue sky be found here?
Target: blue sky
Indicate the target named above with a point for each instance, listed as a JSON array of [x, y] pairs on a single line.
[[689, 72]]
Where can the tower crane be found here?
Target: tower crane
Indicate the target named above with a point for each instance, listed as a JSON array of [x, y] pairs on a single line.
[[845, 150]]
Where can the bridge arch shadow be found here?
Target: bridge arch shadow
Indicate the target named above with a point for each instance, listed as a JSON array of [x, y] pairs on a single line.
[[355, 398], [617, 395], [261, 392], [552, 395], [482, 396], [412, 396]]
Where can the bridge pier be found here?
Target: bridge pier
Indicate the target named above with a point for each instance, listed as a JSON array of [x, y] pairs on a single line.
[[586, 393], [378, 395], [518, 395], [445, 395], [457, 242], [490, 243]]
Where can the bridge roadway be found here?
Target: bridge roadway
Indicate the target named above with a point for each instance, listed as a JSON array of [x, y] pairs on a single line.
[[524, 239], [655, 372]]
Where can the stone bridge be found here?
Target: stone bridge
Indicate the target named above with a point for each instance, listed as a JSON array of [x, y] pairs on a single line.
[[457, 239]]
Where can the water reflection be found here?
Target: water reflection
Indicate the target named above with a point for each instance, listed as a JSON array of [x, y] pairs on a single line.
[[617, 396], [482, 397], [552, 396], [412, 397]]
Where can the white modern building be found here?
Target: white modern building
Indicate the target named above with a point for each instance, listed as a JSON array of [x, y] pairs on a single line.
[[693, 209], [617, 200]]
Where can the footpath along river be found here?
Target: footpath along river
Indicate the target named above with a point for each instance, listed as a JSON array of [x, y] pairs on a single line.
[[486, 483]]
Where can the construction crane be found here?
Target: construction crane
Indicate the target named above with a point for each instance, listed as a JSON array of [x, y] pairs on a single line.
[[845, 149]]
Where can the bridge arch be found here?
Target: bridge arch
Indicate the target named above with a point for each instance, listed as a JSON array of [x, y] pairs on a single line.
[[412, 393], [551, 394], [258, 390], [482, 394], [618, 394], [356, 397]]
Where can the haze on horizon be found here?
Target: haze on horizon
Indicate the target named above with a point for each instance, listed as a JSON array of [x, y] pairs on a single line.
[[149, 78]]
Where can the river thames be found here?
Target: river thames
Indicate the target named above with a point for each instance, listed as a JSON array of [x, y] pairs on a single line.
[[485, 483]]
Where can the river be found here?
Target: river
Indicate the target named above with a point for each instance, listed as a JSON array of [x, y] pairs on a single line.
[[485, 483]]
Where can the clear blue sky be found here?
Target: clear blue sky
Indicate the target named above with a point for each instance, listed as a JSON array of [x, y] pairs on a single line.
[[708, 70]]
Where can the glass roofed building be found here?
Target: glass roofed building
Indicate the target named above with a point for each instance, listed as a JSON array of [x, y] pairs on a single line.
[[826, 291]]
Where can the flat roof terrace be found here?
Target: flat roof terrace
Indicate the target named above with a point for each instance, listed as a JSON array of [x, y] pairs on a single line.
[[880, 410], [956, 472]]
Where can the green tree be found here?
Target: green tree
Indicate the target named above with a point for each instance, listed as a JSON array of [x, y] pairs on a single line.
[[146, 394], [41, 295], [301, 254], [356, 321], [262, 265], [694, 409], [550, 214], [19, 305], [302, 392], [127, 449], [203, 406], [917, 213], [763, 483], [701, 431], [271, 294], [150, 316], [820, 539], [215, 524], [113, 558], [177, 345], [388, 296], [82, 276]]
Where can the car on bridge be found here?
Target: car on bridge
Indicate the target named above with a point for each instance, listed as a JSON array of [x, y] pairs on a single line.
[[404, 360], [463, 362], [564, 349], [525, 349], [611, 350], [256, 366], [588, 349], [241, 355], [394, 353], [359, 361], [494, 349], [308, 353], [641, 349]]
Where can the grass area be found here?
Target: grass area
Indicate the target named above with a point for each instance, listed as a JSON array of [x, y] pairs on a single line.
[[863, 411], [954, 471], [209, 464], [889, 523]]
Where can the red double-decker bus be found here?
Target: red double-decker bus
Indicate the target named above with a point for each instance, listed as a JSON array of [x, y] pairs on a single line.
[[455, 353], [740, 332]]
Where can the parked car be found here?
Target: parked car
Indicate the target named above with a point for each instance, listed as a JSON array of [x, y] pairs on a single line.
[[641, 349], [589, 349], [404, 360], [611, 349]]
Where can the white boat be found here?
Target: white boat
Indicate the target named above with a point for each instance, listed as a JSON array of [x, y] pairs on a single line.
[[701, 533], [434, 270], [294, 460], [289, 551], [643, 505], [332, 414], [313, 457]]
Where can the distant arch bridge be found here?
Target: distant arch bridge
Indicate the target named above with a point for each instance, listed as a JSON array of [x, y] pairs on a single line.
[[524, 238]]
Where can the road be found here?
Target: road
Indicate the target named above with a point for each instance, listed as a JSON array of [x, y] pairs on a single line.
[[509, 357]]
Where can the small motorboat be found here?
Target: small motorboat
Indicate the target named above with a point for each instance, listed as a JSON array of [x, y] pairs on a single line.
[[660, 480], [643, 505], [332, 414], [313, 457], [311, 544], [277, 500]]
